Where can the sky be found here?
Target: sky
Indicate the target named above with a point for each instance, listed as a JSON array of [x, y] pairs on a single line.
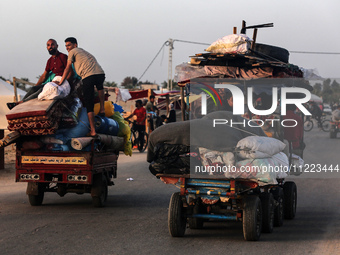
[[125, 36]]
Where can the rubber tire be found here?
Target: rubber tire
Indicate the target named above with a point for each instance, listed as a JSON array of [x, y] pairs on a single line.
[[279, 208], [290, 200], [278, 53], [308, 125], [267, 202], [326, 125], [252, 218], [196, 223], [36, 200], [146, 138], [100, 183], [176, 219]]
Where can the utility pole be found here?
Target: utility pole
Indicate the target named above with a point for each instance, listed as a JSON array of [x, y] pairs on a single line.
[[170, 43]]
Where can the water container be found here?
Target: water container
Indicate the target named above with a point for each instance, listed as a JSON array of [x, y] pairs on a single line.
[[108, 106], [106, 126]]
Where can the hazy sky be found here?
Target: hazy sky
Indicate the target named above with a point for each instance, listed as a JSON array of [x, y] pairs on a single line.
[[125, 36]]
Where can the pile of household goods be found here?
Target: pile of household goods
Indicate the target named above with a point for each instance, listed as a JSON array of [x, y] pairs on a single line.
[[197, 147], [233, 57], [57, 121], [242, 151]]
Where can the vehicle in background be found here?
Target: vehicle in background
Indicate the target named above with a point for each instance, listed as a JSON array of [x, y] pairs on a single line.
[[327, 109]]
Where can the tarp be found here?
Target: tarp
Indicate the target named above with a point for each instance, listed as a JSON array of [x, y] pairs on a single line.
[[7, 95], [144, 94], [138, 94], [316, 99]]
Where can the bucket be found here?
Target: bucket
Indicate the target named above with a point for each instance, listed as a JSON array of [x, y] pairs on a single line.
[[106, 126]]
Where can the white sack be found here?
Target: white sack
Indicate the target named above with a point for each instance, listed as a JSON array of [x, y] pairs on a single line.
[[282, 159], [297, 165], [52, 90], [259, 147], [231, 44]]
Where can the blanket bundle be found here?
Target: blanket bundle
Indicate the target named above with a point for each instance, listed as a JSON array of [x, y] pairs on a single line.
[[35, 117]]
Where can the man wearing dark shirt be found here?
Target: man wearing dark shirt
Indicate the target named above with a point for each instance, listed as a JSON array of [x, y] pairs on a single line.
[[172, 114], [56, 64]]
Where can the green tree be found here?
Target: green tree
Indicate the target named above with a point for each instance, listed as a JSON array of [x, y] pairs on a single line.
[[174, 85], [335, 86], [329, 91], [317, 89], [129, 82], [110, 84]]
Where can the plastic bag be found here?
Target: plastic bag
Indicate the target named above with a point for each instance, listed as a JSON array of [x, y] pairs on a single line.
[[259, 147], [231, 44], [124, 131], [52, 90]]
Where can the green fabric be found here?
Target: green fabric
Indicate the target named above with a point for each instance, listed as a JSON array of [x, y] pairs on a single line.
[[50, 77]]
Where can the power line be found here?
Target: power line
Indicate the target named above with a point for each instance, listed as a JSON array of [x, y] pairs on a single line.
[[314, 52], [167, 43], [191, 42], [152, 61]]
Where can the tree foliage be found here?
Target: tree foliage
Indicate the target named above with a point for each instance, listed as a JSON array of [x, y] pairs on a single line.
[[174, 85], [329, 91], [110, 84], [129, 82]]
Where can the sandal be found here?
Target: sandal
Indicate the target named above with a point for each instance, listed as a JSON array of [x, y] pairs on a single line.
[[11, 105], [94, 136]]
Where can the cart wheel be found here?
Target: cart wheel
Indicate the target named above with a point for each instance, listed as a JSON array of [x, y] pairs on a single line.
[[176, 217], [35, 200], [145, 144], [290, 200], [99, 190], [278, 211], [196, 223], [267, 202], [252, 218]]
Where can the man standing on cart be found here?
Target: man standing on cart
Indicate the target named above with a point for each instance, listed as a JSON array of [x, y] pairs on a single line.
[[91, 73]]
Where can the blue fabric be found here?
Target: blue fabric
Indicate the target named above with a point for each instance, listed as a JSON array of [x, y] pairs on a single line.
[[118, 108], [80, 130]]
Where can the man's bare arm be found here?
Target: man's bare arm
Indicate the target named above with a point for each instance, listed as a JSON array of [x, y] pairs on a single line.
[[42, 78], [66, 73]]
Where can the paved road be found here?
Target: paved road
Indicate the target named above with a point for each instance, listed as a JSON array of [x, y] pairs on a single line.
[[135, 219]]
